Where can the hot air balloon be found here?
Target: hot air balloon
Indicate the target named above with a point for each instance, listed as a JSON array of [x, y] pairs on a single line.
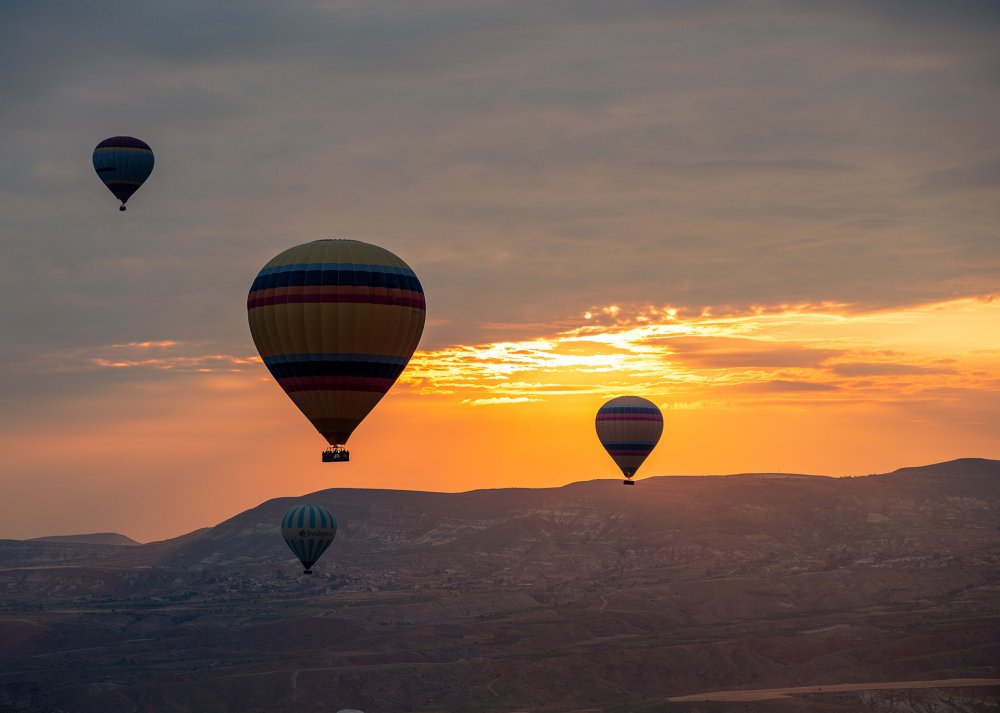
[[308, 530], [629, 428], [123, 163], [336, 322]]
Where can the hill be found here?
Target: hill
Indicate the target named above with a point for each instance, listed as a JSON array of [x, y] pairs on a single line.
[[95, 538], [590, 596]]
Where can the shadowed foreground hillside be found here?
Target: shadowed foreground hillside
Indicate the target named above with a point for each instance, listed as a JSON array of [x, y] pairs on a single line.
[[588, 597]]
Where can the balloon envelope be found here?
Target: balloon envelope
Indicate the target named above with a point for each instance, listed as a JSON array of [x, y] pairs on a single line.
[[308, 530], [123, 163], [629, 428], [336, 322]]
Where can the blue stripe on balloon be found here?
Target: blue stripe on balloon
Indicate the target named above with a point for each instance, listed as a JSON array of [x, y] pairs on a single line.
[[326, 266], [628, 410], [320, 274]]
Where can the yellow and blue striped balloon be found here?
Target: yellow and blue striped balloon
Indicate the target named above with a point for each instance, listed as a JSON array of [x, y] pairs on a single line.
[[308, 530], [629, 427], [123, 163], [336, 322]]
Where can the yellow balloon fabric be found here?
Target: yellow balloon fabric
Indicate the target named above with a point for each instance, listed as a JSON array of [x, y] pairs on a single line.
[[336, 322]]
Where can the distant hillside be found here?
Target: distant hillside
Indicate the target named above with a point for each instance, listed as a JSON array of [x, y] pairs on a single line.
[[961, 467], [95, 538], [591, 596]]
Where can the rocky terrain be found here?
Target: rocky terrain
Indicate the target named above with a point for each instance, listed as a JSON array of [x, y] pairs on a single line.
[[587, 597]]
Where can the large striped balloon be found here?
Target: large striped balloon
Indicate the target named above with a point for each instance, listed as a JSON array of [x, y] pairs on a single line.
[[308, 530], [336, 322], [629, 428], [123, 163]]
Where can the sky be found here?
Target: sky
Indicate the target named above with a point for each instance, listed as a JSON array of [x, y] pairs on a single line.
[[776, 220]]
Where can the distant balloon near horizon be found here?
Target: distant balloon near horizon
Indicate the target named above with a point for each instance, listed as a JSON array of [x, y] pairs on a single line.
[[336, 322], [123, 163], [629, 427], [308, 531]]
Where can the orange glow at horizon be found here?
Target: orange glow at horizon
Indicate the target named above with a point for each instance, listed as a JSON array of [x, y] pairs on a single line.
[[798, 389]]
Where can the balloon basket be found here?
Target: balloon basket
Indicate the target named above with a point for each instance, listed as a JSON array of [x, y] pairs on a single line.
[[336, 456], [628, 482]]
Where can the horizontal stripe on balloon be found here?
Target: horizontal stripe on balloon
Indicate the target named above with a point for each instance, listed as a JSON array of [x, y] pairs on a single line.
[[322, 274], [291, 358], [331, 289], [138, 156], [602, 417], [335, 383], [374, 297], [371, 370], [354, 266], [123, 142], [629, 409], [629, 445]]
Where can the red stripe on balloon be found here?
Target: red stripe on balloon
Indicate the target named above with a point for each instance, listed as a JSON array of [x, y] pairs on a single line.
[[406, 299]]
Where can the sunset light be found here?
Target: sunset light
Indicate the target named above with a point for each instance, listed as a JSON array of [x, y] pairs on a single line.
[[551, 356], [771, 389]]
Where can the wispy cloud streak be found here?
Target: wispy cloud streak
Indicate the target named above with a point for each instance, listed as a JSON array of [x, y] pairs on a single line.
[[822, 351]]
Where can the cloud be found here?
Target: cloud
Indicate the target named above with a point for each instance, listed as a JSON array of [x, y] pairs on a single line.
[[150, 356], [498, 400], [979, 175], [229, 430], [727, 352], [526, 159], [886, 369], [688, 359], [781, 386]]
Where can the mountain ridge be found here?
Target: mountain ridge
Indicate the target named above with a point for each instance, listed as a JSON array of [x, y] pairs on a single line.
[[93, 538], [588, 596], [965, 467]]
